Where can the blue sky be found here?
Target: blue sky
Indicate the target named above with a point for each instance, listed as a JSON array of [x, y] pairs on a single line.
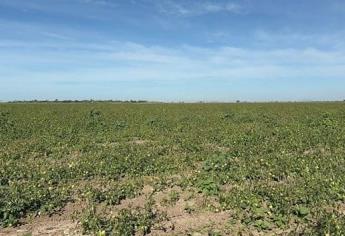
[[171, 50]]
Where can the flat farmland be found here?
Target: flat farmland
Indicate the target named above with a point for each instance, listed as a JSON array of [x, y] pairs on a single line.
[[172, 169]]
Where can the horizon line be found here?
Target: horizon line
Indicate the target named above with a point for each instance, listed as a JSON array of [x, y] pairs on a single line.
[[161, 101]]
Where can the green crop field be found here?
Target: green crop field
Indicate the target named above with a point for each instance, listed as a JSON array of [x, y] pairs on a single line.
[[172, 169]]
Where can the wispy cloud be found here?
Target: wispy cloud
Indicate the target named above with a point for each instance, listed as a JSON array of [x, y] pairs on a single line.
[[187, 9], [131, 61], [56, 36], [106, 3], [82, 9], [130, 68], [291, 38]]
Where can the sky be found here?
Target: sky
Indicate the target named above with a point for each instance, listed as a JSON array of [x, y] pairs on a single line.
[[172, 50]]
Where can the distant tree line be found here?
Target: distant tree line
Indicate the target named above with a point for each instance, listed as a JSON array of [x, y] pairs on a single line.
[[77, 101]]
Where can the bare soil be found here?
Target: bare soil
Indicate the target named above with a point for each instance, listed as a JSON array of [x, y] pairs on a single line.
[[179, 220]]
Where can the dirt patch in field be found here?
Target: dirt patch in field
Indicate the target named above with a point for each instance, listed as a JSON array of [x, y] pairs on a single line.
[[316, 151], [341, 208], [134, 141], [51, 227], [197, 223], [58, 224], [187, 211], [215, 147], [338, 207]]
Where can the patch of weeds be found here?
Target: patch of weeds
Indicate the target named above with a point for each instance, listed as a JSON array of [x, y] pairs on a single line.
[[163, 183], [214, 233], [127, 222], [262, 224], [27, 234], [280, 220], [227, 115], [95, 121], [261, 217], [330, 224], [18, 200], [208, 186], [302, 211], [119, 125], [114, 194], [171, 199], [258, 217], [216, 163], [174, 196], [91, 222]]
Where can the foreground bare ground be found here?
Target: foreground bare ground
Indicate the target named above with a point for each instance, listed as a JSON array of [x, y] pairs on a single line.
[[202, 216], [191, 214], [57, 224]]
